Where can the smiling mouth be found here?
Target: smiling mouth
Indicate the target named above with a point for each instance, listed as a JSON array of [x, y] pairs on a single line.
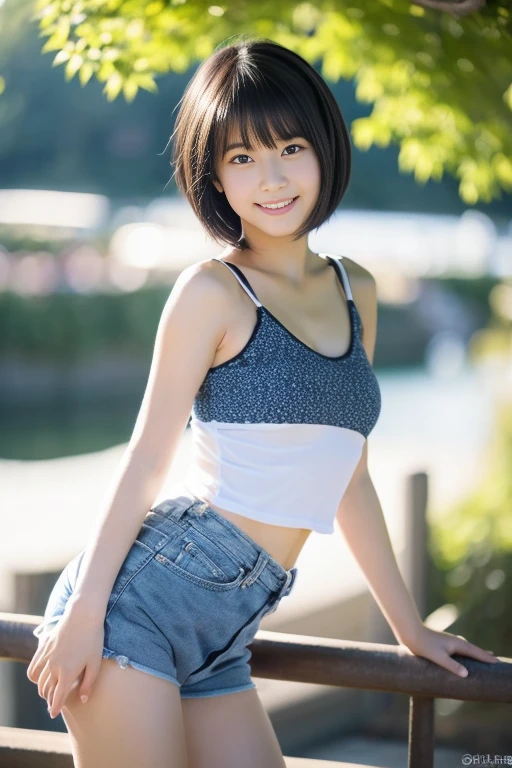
[[280, 208]]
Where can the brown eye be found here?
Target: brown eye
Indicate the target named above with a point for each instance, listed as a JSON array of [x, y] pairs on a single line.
[[237, 156], [294, 145]]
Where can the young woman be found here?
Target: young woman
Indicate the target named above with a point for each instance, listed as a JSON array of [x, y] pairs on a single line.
[[270, 345]]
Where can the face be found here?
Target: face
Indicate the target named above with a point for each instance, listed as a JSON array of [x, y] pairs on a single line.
[[250, 178]]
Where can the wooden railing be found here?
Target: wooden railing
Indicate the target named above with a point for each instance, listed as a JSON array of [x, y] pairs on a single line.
[[364, 666]]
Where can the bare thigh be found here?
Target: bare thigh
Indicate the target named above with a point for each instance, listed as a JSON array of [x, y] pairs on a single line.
[[230, 731], [132, 719]]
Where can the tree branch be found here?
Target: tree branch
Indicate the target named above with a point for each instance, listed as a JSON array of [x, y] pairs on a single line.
[[456, 7]]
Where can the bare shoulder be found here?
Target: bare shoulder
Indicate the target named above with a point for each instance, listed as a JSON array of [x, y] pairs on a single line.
[[362, 283], [201, 282], [196, 315], [359, 276], [208, 284], [191, 328], [364, 291]]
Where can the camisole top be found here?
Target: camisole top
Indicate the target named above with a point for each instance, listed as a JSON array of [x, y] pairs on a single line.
[[278, 429]]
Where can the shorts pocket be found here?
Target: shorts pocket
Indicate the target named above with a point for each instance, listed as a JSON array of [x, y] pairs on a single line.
[[194, 556], [202, 563]]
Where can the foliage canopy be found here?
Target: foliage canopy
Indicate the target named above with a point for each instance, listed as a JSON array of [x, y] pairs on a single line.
[[440, 85]]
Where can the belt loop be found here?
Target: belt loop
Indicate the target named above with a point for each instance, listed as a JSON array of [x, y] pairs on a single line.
[[255, 571], [176, 508], [199, 505], [291, 577]]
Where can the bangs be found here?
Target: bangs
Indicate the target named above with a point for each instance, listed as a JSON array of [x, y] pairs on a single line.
[[258, 121]]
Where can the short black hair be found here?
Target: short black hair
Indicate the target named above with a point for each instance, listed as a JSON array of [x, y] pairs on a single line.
[[265, 90]]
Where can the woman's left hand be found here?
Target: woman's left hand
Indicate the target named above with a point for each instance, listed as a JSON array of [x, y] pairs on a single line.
[[439, 647]]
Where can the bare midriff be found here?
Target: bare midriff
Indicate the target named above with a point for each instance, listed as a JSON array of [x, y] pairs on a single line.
[[282, 543]]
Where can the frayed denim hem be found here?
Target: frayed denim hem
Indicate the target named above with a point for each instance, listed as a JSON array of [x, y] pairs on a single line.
[[124, 661]]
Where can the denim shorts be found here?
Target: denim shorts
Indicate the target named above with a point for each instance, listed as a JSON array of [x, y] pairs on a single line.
[[187, 600]]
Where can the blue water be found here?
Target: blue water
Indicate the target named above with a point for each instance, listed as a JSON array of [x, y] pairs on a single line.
[[419, 406]]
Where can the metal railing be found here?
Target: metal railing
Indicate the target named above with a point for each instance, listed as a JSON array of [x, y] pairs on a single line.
[[343, 663]]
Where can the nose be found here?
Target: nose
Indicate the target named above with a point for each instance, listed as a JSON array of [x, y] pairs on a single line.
[[272, 177]]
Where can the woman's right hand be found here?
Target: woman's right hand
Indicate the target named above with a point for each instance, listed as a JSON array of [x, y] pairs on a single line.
[[74, 646]]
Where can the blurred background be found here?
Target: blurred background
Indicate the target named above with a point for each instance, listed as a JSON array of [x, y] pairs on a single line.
[[93, 236]]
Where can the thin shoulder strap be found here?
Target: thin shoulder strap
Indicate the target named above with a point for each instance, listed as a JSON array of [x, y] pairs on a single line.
[[241, 279], [342, 272]]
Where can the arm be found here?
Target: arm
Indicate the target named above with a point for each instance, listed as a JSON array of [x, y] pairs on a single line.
[[190, 329], [360, 512], [362, 523]]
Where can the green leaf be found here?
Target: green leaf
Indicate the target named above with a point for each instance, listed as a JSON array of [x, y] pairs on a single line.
[[145, 81], [503, 168], [130, 89], [60, 58], [73, 65], [362, 132], [507, 96], [113, 86], [54, 43], [85, 73]]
